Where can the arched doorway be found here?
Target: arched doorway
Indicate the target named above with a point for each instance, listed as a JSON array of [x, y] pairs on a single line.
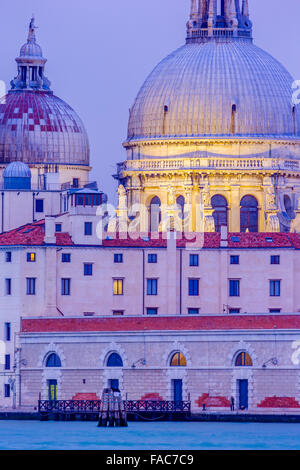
[[243, 359], [249, 214], [220, 214]]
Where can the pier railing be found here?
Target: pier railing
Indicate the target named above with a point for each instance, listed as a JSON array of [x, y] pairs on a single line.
[[67, 407]]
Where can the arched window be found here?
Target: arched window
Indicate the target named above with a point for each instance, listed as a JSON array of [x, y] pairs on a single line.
[[53, 360], [155, 214], [180, 201], [220, 206], [249, 214], [178, 360], [288, 206], [243, 360], [114, 360]]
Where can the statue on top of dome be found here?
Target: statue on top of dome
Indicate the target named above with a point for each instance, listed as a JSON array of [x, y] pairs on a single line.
[[32, 28]]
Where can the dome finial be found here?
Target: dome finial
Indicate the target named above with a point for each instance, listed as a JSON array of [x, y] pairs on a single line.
[[31, 65], [32, 27], [219, 20]]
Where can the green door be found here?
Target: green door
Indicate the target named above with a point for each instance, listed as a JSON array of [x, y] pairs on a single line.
[[52, 390]]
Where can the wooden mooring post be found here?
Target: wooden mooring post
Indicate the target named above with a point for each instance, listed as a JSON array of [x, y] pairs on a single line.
[[112, 411]]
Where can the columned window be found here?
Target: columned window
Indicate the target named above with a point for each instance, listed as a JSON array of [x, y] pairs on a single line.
[[249, 214], [220, 214]]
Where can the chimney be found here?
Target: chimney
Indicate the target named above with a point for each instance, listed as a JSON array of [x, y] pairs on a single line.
[[224, 236], [50, 238]]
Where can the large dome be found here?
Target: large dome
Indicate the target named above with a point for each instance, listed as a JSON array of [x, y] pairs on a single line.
[[194, 91], [38, 127]]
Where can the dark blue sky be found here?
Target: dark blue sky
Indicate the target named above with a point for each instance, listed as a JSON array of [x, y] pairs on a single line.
[[99, 53]]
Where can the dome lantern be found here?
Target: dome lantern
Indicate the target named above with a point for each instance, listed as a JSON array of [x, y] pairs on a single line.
[[219, 20], [31, 65]]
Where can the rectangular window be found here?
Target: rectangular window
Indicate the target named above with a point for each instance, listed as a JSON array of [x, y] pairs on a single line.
[[118, 258], [118, 313], [66, 258], [194, 260], [30, 285], [88, 228], [152, 311], [6, 390], [193, 287], [193, 311], [152, 285], [7, 286], [275, 288], [31, 257], [152, 258], [58, 228], [234, 259], [118, 286], [8, 257], [234, 310], [234, 288], [7, 362], [39, 205], [275, 259], [88, 269], [65, 286], [75, 183], [275, 310], [7, 331]]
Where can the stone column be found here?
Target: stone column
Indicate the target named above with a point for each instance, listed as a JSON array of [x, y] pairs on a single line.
[[235, 204]]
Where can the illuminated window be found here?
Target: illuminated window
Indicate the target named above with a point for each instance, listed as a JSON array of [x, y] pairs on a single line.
[[243, 360], [53, 361], [31, 257], [178, 360], [114, 360], [118, 286]]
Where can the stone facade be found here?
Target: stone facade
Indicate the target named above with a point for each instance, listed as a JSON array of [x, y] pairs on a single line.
[[210, 375]]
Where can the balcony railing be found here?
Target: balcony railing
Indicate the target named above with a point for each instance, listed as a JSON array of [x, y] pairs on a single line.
[[210, 164]]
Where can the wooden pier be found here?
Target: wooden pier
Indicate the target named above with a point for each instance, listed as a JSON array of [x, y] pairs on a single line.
[[89, 410]]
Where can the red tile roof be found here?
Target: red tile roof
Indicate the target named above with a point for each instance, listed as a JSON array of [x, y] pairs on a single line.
[[162, 323], [32, 235]]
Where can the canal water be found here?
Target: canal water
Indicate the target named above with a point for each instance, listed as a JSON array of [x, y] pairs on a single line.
[[36, 435]]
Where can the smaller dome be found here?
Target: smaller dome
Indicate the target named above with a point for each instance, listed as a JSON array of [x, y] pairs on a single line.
[[31, 49], [17, 170]]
